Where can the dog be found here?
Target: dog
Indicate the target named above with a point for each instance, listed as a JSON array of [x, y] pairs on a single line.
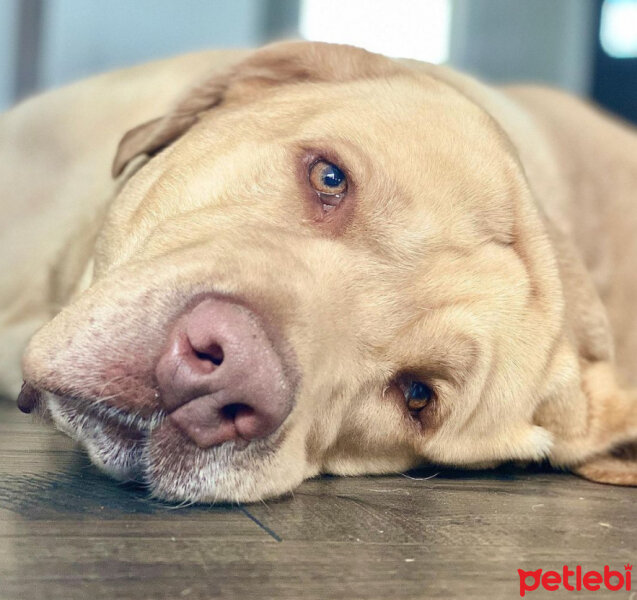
[[314, 259]]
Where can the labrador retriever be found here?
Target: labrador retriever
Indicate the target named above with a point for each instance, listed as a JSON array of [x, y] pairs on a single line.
[[314, 259]]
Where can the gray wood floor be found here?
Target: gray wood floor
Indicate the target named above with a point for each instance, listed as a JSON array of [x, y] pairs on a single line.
[[67, 532]]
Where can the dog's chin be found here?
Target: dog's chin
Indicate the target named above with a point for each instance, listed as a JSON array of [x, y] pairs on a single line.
[[155, 453], [176, 469]]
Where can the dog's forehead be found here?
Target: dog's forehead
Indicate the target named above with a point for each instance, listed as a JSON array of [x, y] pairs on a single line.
[[416, 130], [384, 111], [403, 138]]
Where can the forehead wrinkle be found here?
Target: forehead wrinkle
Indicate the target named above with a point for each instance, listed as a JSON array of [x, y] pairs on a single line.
[[149, 210]]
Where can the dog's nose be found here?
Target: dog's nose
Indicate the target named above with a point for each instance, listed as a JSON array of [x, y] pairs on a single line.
[[220, 377]]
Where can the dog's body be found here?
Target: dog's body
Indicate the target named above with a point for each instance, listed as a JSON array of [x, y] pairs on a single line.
[[524, 197]]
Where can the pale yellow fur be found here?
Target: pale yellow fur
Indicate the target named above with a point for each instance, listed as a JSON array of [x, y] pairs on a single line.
[[491, 250]]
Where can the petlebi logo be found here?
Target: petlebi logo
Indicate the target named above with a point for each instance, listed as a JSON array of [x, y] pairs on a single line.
[[576, 580]]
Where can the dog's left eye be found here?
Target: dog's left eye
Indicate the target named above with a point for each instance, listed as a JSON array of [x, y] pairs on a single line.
[[418, 395], [329, 182]]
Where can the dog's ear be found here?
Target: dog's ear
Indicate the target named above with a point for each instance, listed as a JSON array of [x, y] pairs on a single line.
[[592, 415], [279, 64], [151, 137], [610, 441]]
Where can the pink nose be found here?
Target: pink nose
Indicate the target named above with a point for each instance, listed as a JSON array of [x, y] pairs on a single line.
[[220, 378]]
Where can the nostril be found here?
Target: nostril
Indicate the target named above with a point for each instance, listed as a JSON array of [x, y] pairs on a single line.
[[230, 412], [212, 354]]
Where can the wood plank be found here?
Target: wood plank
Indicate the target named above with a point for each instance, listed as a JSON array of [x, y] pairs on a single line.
[[139, 569], [68, 532]]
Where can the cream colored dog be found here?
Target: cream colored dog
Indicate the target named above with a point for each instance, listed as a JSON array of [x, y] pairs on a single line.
[[320, 260]]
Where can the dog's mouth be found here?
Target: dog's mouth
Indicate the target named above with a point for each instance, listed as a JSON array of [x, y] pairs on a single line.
[[79, 413], [78, 416], [150, 450]]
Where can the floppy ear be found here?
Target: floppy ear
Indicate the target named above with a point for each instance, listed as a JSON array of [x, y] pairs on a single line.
[[612, 431], [593, 418], [279, 64], [147, 138]]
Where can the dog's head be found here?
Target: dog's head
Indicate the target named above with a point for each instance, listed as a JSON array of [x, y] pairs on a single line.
[[332, 263]]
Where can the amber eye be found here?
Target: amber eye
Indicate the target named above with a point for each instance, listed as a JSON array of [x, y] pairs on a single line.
[[417, 395], [328, 181]]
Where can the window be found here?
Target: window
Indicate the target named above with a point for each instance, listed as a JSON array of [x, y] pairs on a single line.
[[405, 28], [618, 29]]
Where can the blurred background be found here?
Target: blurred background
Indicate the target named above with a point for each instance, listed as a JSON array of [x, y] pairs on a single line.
[[586, 46]]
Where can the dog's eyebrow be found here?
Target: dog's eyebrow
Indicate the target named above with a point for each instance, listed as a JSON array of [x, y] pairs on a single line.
[[335, 148]]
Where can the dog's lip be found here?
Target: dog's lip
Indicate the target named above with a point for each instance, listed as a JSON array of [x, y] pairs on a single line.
[[127, 426], [102, 412]]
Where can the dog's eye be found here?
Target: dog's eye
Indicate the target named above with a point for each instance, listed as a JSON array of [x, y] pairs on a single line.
[[329, 182], [418, 395]]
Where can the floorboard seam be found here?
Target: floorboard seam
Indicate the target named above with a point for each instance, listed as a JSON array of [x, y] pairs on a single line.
[[265, 528]]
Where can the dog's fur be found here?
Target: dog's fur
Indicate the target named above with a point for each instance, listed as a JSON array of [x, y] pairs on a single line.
[[486, 246]]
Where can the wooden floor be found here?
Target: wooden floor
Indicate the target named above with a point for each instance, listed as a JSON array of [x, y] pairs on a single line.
[[67, 532]]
